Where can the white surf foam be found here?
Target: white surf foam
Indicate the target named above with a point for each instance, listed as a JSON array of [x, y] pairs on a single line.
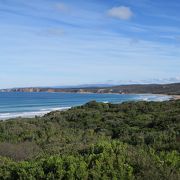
[[5, 116], [106, 102]]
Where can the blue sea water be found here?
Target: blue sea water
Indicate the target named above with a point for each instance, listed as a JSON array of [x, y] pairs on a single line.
[[16, 104]]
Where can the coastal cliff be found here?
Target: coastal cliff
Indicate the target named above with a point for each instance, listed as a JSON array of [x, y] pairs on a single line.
[[170, 89]]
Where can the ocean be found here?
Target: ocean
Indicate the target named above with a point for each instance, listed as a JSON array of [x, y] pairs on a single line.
[[18, 104]]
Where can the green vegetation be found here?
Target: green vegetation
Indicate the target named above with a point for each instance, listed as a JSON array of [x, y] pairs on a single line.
[[134, 140]]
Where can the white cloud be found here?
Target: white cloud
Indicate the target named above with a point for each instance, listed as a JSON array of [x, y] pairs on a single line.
[[162, 80], [150, 81], [121, 12], [61, 7]]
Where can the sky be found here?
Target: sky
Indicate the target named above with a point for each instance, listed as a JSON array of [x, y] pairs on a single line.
[[71, 42]]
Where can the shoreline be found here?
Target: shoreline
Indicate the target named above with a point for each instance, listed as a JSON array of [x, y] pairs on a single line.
[[7, 116], [175, 97], [31, 114], [86, 92]]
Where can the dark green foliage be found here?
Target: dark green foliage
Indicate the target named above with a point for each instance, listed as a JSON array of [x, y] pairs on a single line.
[[96, 141]]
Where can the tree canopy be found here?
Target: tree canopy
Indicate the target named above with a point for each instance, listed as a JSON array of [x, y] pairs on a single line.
[[133, 140]]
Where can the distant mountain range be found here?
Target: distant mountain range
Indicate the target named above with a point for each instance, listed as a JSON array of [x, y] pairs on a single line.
[[84, 86], [170, 89]]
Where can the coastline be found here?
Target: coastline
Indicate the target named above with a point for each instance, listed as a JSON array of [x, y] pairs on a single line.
[[31, 114], [176, 97], [7, 116]]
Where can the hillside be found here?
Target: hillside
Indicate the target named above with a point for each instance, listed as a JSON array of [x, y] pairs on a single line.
[[135, 140], [170, 89]]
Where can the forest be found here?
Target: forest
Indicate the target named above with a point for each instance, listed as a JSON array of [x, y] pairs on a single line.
[[128, 141]]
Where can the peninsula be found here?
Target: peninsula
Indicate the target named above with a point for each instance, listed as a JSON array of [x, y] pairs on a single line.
[[169, 89]]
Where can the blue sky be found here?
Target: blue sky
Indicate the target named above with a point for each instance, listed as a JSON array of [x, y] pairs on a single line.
[[54, 42]]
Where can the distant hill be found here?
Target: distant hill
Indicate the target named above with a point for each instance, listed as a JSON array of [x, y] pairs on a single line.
[[83, 86], [170, 89]]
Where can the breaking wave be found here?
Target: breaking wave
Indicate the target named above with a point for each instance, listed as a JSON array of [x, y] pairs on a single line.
[[4, 116]]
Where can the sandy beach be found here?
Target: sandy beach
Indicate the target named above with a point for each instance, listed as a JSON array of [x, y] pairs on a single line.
[[176, 97]]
